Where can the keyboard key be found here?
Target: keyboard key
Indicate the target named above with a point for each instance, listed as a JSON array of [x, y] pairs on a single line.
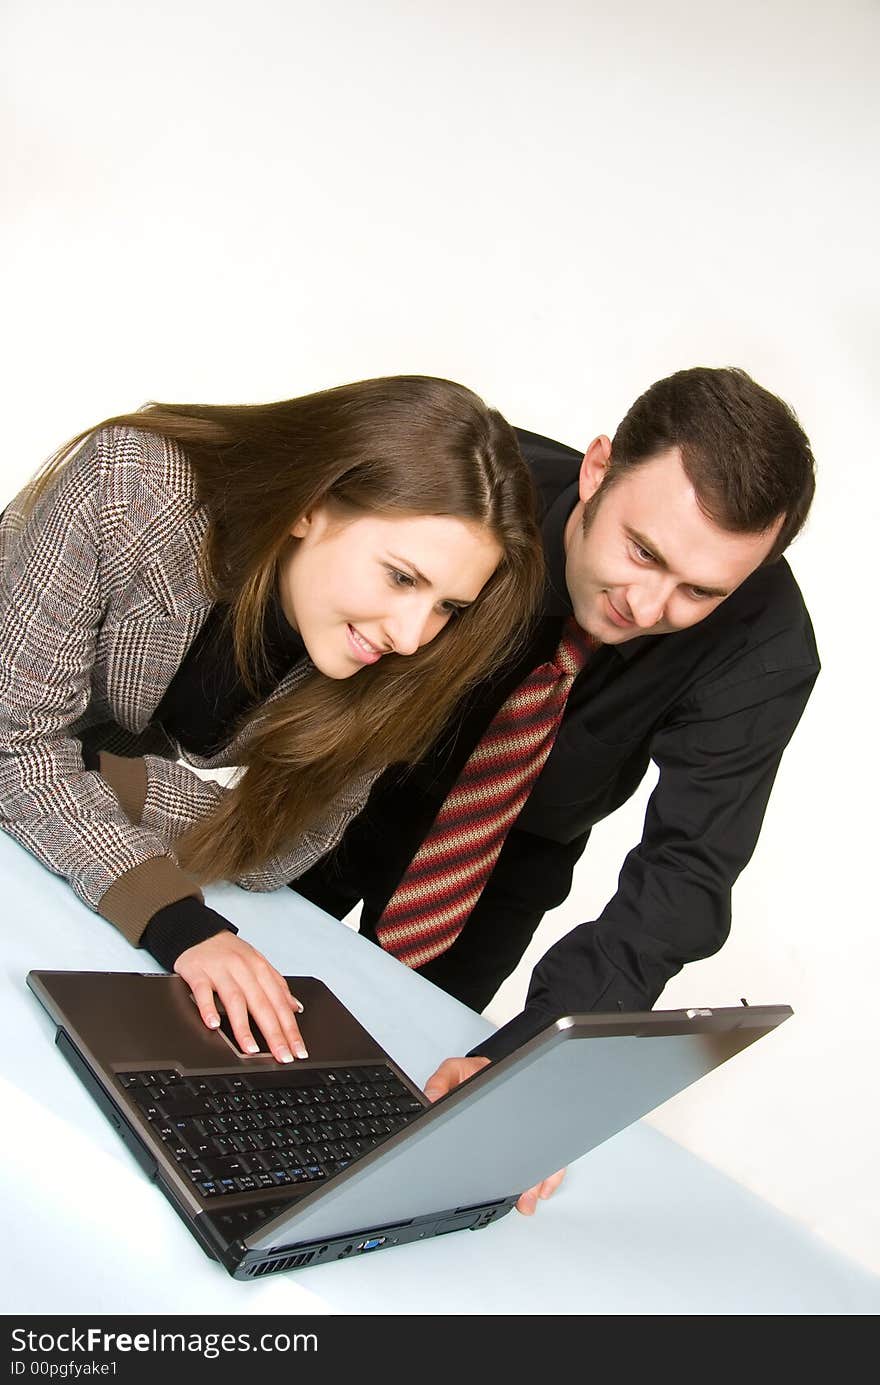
[[174, 1106], [247, 1184], [219, 1169], [297, 1077]]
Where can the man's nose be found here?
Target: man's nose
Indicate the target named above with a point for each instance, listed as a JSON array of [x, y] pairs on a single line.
[[647, 603]]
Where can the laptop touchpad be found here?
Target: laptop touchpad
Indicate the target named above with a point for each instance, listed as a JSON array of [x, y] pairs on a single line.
[[225, 1030]]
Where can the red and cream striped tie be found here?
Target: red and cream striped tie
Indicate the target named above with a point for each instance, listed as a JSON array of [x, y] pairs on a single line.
[[446, 876]]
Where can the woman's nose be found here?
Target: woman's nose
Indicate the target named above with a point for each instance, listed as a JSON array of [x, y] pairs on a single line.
[[407, 630]]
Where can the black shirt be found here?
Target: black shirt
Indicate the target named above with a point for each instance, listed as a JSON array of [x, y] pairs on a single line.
[[714, 706]]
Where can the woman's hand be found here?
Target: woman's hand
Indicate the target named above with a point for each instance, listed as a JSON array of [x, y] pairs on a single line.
[[246, 984], [455, 1070]]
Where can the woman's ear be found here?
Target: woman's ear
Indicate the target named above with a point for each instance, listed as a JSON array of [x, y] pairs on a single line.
[[315, 524]]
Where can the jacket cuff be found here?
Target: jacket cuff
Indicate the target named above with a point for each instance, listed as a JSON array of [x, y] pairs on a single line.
[[136, 896], [511, 1036], [127, 778], [180, 925]]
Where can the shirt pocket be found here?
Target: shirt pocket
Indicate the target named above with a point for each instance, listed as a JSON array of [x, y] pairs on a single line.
[[582, 781]]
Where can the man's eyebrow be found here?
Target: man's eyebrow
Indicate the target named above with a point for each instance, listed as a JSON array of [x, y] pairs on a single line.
[[648, 544], [651, 548]]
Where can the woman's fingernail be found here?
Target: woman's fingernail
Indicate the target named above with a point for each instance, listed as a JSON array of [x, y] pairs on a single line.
[[300, 1007], [213, 1021], [284, 1055], [301, 1051], [252, 1047]]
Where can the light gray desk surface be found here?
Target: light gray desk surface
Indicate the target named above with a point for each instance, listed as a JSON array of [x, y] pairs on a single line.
[[640, 1226]]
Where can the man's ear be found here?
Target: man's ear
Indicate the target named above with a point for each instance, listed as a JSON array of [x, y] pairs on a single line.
[[593, 467]]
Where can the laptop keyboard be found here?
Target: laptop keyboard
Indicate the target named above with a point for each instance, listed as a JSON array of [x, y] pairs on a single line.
[[243, 1133]]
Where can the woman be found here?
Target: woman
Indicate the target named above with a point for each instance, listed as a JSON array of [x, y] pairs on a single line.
[[302, 590]]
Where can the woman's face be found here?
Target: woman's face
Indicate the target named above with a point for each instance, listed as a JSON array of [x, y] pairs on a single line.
[[356, 589]]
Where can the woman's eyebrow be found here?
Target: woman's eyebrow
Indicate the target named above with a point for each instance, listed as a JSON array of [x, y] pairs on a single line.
[[405, 562], [461, 601]]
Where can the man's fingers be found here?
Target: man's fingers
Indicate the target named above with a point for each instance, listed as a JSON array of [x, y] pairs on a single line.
[[450, 1073], [549, 1185], [443, 1080], [528, 1202], [435, 1087]]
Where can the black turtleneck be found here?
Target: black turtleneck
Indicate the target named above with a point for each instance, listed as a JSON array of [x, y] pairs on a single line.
[[201, 709]]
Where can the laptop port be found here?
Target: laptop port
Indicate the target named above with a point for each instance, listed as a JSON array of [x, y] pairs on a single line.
[[372, 1243]]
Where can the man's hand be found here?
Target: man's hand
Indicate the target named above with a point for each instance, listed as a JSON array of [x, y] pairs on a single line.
[[450, 1073], [245, 983], [528, 1203]]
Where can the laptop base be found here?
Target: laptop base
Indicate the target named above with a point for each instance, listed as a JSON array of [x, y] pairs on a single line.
[[257, 1264], [218, 1233]]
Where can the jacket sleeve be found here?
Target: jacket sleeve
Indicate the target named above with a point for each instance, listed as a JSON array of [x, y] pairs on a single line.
[[717, 765], [168, 798], [52, 603]]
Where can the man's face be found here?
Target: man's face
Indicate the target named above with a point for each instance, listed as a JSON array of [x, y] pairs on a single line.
[[649, 560]]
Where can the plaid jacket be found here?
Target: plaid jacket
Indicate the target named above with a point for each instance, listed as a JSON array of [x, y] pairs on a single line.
[[100, 598]]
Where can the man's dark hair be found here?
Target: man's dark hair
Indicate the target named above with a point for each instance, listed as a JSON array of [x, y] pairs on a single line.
[[742, 448]]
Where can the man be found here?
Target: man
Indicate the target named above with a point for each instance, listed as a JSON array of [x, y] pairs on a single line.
[[665, 546]]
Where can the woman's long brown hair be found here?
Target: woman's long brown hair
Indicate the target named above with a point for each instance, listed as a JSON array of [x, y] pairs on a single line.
[[403, 445]]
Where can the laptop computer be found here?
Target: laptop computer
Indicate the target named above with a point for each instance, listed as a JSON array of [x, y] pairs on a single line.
[[274, 1167]]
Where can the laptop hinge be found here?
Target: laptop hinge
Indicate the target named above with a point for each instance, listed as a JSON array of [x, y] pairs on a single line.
[[229, 1253]]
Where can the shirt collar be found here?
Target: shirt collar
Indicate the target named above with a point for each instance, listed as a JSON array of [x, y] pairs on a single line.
[[557, 601]]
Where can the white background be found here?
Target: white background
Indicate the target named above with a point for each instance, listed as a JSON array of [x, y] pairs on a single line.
[[556, 205]]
